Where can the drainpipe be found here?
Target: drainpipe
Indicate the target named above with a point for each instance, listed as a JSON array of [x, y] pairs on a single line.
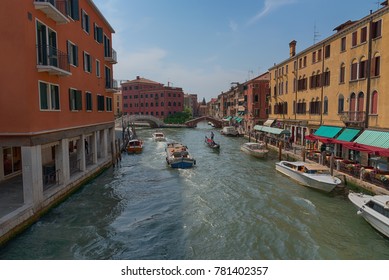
[[322, 84], [368, 72]]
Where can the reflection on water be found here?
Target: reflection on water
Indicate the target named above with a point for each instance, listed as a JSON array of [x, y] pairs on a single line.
[[230, 206]]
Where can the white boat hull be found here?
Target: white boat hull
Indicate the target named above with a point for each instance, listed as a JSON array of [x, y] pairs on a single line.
[[325, 183], [375, 219], [258, 153]]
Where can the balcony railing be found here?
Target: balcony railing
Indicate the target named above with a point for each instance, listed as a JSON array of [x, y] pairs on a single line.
[[54, 9], [111, 56], [52, 60], [111, 85], [353, 117]]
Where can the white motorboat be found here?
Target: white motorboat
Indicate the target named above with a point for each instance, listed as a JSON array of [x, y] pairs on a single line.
[[374, 209], [255, 149], [229, 131], [177, 156], [159, 136], [311, 175]]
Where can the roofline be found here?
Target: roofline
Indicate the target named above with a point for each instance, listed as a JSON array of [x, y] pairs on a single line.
[[101, 15], [377, 13]]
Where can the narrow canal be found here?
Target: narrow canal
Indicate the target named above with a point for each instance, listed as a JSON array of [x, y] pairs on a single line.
[[230, 206]]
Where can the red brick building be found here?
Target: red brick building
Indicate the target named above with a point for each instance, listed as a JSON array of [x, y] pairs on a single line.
[[146, 97]]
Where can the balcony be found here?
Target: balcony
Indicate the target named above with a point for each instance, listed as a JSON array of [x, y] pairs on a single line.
[[111, 85], [353, 118], [54, 9], [111, 56], [52, 60]]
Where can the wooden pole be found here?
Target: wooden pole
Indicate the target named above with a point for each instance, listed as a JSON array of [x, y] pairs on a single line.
[[332, 164], [303, 153], [280, 151]]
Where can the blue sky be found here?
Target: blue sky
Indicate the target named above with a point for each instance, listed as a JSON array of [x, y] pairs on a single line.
[[204, 45]]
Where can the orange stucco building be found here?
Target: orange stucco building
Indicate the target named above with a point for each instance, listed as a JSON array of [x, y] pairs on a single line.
[[56, 100]]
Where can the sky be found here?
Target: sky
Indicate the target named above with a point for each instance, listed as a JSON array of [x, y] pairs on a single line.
[[203, 46]]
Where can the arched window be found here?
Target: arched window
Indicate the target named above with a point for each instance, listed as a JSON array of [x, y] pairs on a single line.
[[342, 73], [362, 68], [353, 103], [354, 70], [374, 102], [340, 103], [361, 98], [325, 106], [376, 65]]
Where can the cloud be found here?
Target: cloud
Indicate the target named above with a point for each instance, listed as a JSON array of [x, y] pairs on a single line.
[[233, 26], [269, 6]]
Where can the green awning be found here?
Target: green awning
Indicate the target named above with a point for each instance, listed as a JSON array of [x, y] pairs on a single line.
[[348, 134], [327, 131], [272, 130], [228, 118], [374, 138], [239, 119]]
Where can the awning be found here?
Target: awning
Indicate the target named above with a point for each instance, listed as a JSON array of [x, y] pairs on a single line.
[[269, 122], [328, 131], [272, 130], [374, 138], [348, 134], [239, 119], [227, 119]]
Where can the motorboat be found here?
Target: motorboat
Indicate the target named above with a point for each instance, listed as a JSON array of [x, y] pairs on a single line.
[[135, 146], [312, 175], [229, 131], [159, 136], [211, 143], [255, 149], [177, 156], [374, 209]]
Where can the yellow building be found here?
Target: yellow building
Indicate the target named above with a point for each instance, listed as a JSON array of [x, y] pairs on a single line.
[[339, 82]]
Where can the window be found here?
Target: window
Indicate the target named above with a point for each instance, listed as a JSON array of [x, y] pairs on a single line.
[[109, 103], [100, 103], [375, 67], [75, 101], [98, 33], [107, 47], [47, 52], [342, 73], [48, 96], [354, 68], [363, 34], [88, 101], [340, 104], [376, 29], [343, 44], [326, 78], [98, 69], [362, 69], [72, 9], [87, 63], [319, 55], [374, 103], [85, 21], [313, 57], [327, 51], [354, 39], [108, 79], [72, 53]]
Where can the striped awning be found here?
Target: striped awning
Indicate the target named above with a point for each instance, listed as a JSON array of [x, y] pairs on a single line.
[[348, 134], [328, 131], [374, 138], [272, 130], [269, 122]]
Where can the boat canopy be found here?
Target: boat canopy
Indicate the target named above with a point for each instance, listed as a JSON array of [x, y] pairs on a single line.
[[272, 130]]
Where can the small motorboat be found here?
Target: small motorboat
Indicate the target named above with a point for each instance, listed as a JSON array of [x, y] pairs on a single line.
[[257, 150], [315, 176], [159, 136], [211, 143], [135, 146], [177, 156], [374, 209], [229, 131]]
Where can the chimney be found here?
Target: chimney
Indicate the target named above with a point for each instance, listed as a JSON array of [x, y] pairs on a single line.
[[292, 48], [137, 77]]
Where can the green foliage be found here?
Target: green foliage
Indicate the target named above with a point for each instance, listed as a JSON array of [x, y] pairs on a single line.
[[179, 118]]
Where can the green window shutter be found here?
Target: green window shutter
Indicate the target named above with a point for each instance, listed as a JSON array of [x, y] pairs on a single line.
[[70, 99], [99, 34], [75, 10], [43, 96], [75, 55], [78, 100]]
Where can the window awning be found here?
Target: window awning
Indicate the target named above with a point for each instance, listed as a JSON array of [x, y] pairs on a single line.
[[227, 119], [348, 134], [269, 122], [328, 131], [272, 130]]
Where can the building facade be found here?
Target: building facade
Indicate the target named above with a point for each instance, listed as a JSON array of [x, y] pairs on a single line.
[[146, 97], [57, 121], [339, 81]]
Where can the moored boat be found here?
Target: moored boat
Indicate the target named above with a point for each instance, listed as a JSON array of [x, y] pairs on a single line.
[[374, 209], [255, 149], [178, 156], [311, 175], [159, 136], [135, 146], [229, 131]]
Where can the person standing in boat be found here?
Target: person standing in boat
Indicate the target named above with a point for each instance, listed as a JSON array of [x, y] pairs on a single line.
[[212, 135]]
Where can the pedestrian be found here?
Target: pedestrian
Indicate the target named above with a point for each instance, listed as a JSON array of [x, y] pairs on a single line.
[[86, 147]]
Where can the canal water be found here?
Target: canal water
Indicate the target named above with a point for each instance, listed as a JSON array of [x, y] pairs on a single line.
[[230, 206]]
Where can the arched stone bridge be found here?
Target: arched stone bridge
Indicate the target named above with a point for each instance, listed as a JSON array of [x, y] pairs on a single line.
[[128, 119], [217, 122]]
